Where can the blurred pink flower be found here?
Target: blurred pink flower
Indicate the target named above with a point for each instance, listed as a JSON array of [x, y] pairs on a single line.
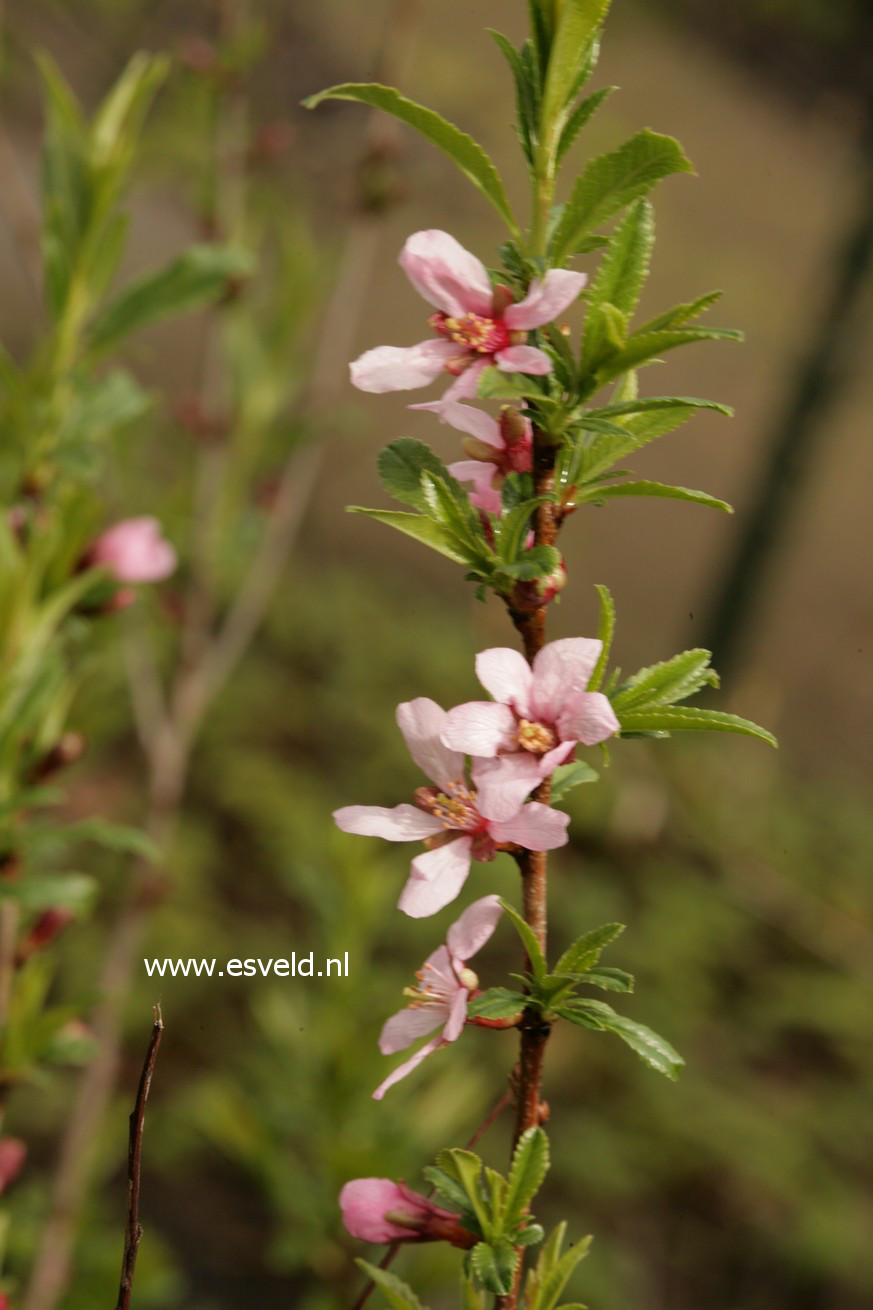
[[133, 551], [476, 324], [379, 1210], [12, 1156], [538, 716], [457, 824], [444, 984]]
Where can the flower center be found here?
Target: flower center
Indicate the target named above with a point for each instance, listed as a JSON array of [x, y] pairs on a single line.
[[536, 737], [476, 332], [429, 990], [455, 807]]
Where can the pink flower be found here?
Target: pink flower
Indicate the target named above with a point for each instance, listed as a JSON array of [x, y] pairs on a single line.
[[540, 715], [444, 984], [456, 824], [12, 1156], [495, 448], [133, 551], [379, 1210], [476, 324]]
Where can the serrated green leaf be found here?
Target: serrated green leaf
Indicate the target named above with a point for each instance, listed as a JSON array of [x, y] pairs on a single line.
[[526, 93], [421, 529], [605, 632], [535, 562], [530, 1235], [448, 1189], [530, 1163], [114, 836], [586, 949], [576, 28], [529, 941], [494, 384], [466, 1167], [496, 1003], [558, 1276], [401, 464], [582, 114], [466, 153], [660, 489], [568, 776], [198, 276], [618, 282], [683, 313], [398, 1295], [511, 530], [667, 682], [687, 718], [614, 180], [646, 404], [611, 980], [645, 347], [494, 1265], [652, 1049]]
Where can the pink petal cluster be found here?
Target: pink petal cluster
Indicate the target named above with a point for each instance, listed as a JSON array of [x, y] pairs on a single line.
[[134, 551], [495, 447], [379, 1210], [538, 716], [457, 822], [443, 988], [476, 324]]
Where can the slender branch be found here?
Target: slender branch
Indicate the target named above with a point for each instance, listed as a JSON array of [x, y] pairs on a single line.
[[133, 1234]]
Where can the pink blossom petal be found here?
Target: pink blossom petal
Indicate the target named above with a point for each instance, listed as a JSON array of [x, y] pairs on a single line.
[[536, 827], [503, 784], [471, 931], [436, 878], [446, 274], [134, 551], [402, 823], [484, 494], [403, 1028], [422, 721], [561, 670], [480, 728], [523, 359], [408, 1065], [545, 300], [401, 368], [466, 385], [553, 758], [474, 421], [506, 674], [589, 718], [457, 1018]]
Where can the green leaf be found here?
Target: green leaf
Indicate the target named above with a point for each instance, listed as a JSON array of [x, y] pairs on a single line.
[[529, 941], [494, 384], [198, 276], [466, 1168], [624, 267], [612, 181], [643, 347], [530, 1163], [420, 528], [114, 836], [449, 1189], [496, 1003], [68, 891], [401, 464], [586, 949], [568, 776], [647, 404], [667, 682], [396, 1292], [511, 529], [526, 94], [535, 562], [686, 718], [597, 492], [557, 1274], [577, 26], [653, 1050], [684, 313], [466, 153], [605, 631], [583, 112], [611, 980], [494, 1265]]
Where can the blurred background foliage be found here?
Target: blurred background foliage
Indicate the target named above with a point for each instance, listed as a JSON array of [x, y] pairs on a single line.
[[744, 879]]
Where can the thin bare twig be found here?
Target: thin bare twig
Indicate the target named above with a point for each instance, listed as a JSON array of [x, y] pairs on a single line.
[[133, 1233]]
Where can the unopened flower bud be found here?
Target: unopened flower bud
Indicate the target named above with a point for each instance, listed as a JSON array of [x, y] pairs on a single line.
[[514, 427], [533, 595], [49, 926], [469, 979], [12, 1156], [379, 1210]]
